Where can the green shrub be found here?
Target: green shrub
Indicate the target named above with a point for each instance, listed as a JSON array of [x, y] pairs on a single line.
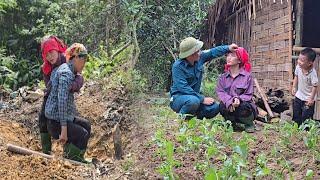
[[15, 73], [101, 65]]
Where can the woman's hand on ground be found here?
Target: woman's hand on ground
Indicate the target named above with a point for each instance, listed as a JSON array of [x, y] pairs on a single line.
[[63, 138]]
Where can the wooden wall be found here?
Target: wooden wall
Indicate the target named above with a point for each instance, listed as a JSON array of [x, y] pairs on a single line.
[[270, 48], [239, 30], [317, 103], [268, 36]]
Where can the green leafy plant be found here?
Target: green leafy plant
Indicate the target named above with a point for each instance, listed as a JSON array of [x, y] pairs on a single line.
[[262, 169], [309, 174], [100, 66], [15, 73], [167, 167], [7, 4], [287, 132], [311, 140]]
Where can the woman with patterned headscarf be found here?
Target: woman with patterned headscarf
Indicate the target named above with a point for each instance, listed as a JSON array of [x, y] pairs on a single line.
[[53, 55], [235, 90], [63, 124]]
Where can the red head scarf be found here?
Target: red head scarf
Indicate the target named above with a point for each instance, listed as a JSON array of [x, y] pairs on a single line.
[[47, 45], [243, 56]]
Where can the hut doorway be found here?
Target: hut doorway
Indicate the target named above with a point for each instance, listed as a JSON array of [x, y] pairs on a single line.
[[311, 25]]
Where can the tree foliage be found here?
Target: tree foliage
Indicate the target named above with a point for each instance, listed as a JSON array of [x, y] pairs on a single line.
[[152, 29], [7, 4], [101, 25], [166, 23]]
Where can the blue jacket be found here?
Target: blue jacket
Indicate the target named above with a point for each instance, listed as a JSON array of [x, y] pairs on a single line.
[[187, 78]]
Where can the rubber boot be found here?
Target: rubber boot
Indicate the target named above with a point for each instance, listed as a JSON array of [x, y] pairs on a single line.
[[235, 125], [74, 153], [248, 123], [45, 139], [186, 117]]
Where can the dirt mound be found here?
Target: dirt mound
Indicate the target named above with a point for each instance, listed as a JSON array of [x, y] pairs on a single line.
[[103, 107], [14, 166]]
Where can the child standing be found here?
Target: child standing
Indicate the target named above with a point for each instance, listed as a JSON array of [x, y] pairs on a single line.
[[306, 82], [235, 90]]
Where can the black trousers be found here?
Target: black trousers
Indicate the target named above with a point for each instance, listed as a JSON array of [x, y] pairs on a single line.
[[42, 118], [244, 110], [78, 131], [301, 112]]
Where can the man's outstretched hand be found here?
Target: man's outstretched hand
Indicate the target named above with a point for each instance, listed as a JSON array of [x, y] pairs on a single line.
[[233, 47]]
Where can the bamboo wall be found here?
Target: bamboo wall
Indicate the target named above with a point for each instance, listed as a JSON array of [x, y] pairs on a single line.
[[265, 29], [239, 29], [270, 48]]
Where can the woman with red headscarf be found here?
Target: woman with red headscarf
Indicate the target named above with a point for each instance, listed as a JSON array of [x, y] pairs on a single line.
[[53, 55], [235, 90]]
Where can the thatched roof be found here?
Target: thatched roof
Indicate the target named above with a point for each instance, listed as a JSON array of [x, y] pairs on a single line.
[[222, 9], [219, 8]]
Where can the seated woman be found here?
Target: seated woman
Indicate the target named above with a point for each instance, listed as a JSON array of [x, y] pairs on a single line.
[[235, 90]]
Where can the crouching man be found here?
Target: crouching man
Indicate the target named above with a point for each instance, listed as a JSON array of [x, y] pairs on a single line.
[[72, 131], [187, 72]]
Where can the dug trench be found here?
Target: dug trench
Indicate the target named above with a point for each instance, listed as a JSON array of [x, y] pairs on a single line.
[[103, 107]]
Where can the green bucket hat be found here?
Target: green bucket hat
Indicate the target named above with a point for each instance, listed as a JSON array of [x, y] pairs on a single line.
[[188, 46]]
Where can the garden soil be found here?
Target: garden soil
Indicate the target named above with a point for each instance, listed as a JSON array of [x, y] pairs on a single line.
[[104, 108]]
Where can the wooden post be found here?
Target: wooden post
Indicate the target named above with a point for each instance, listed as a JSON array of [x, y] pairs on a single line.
[[291, 70], [299, 22], [117, 142], [316, 114], [25, 151], [264, 98]]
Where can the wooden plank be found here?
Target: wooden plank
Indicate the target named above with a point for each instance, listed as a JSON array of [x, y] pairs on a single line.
[[317, 103], [290, 47], [299, 49], [264, 98], [232, 16], [25, 151], [117, 142]]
